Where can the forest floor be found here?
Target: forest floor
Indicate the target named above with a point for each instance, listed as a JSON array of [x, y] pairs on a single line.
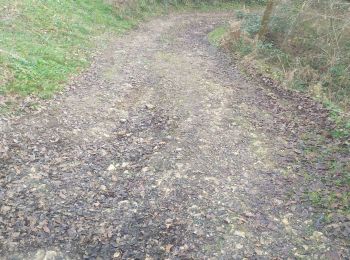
[[161, 149]]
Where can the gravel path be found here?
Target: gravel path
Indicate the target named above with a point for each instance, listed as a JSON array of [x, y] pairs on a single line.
[[160, 150]]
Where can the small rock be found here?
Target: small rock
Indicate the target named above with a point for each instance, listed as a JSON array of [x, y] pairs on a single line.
[[111, 168], [117, 254], [183, 248], [239, 246], [227, 220], [259, 252], [198, 232], [285, 221], [62, 195], [149, 106], [121, 133], [5, 209], [125, 164]]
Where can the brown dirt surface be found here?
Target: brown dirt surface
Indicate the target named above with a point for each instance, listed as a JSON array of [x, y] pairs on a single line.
[[162, 149]]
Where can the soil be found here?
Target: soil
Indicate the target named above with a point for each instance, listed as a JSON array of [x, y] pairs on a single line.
[[162, 149]]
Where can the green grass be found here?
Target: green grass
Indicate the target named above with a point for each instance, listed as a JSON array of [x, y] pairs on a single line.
[[43, 42], [335, 195], [216, 36]]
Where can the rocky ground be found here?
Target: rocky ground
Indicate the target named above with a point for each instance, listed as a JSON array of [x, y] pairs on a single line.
[[161, 150]]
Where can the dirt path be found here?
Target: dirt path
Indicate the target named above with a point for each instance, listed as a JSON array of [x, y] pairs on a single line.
[[160, 150]]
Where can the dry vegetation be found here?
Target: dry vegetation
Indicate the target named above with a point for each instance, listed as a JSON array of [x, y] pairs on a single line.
[[318, 33], [307, 46]]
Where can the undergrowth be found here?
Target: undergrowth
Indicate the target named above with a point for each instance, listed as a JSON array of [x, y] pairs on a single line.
[[306, 49]]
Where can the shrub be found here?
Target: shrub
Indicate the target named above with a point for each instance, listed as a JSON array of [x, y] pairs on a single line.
[[309, 40], [318, 33], [251, 24]]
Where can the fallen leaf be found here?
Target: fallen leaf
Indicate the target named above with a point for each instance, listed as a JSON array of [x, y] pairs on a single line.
[[46, 229], [168, 248], [62, 195]]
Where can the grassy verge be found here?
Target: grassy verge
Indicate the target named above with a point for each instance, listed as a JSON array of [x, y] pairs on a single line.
[[42, 42], [305, 49], [331, 151], [327, 183], [217, 35]]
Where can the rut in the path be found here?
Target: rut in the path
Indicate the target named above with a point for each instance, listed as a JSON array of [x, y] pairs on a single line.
[[160, 150]]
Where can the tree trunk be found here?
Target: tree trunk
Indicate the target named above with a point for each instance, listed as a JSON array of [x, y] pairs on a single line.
[[266, 19]]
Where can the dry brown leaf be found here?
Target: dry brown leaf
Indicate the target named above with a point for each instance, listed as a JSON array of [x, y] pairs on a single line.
[[168, 247], [46, 229]]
